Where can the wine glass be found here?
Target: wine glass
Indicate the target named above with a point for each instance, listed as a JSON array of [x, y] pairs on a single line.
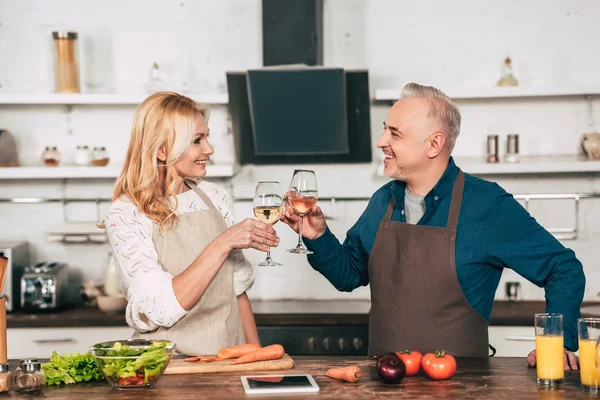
[[302, 196], [268, 206]]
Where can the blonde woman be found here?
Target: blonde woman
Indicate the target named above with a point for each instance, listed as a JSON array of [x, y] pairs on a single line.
[[179, 250]]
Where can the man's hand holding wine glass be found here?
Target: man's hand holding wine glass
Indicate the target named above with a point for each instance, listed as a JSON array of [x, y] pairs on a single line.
[[314, 221]]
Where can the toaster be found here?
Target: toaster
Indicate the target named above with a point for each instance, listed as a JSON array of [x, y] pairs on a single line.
[[44, 286], [18, 257]]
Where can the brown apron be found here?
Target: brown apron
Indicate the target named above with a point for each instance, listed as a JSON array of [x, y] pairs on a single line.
[[213, 322], [416, 300]]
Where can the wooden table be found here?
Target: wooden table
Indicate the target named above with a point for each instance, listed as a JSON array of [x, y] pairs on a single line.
[[495, 378]]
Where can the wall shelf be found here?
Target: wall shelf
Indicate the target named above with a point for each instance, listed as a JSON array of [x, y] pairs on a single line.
[[98, 98], [493, 92], [528, 165], [107, 172]]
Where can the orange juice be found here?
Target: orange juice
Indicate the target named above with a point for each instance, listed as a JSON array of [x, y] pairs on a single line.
[[587, 363], [550, 353]]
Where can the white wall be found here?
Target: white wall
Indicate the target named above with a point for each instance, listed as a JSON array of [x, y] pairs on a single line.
[[448, 44]]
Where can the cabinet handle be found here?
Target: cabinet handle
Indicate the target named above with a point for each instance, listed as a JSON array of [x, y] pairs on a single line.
[[53, 340], [521, 338]]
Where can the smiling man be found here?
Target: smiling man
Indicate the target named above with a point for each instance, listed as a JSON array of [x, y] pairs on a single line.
[[433, 242]]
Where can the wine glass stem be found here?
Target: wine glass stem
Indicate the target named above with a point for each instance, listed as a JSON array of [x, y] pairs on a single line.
[[300, 232], [268, 254]]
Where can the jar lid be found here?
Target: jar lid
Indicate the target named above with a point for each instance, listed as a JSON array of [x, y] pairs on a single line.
[[4, 368], [64, 35], [28, 360], [32, 366]]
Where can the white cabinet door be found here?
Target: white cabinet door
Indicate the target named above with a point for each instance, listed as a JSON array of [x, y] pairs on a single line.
[[41, 342], [512, 341]]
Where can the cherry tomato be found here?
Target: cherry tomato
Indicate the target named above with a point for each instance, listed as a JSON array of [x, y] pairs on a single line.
[[412, 360], [439, 365]]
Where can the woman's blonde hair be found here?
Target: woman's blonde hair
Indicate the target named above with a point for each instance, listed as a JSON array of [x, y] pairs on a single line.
[[164, 119]]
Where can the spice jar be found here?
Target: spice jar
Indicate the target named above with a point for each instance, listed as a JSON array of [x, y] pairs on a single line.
[[6, 378], [83, 156], [492, 149], [30, 378], [100, 157], [67, 75], [512, 148], [51, 156]]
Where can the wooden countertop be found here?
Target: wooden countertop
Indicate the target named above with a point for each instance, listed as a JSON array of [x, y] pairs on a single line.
[[292, 312], [498, 378]]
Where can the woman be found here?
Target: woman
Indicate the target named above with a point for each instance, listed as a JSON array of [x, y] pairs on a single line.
[[179, 251]]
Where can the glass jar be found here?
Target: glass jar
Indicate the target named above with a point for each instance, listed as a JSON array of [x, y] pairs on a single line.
[[83, 156], [30, 378], [51, 157], [100, 157], [67, 75], [6, 378]]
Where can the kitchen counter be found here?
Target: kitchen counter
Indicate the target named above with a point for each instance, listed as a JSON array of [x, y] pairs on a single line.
[[498, 378], [285, 312]]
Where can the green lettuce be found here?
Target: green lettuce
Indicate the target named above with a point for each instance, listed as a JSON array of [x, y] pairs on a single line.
[[71, 369]]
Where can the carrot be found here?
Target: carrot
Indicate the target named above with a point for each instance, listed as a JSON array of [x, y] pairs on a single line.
[[236, 351], [349, 374], [272, 352], [191, 359]]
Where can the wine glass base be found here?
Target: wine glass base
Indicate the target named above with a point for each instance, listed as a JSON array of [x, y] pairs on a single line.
[[269, 263], [299, 250]]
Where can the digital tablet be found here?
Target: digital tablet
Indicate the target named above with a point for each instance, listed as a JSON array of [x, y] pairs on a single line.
[[266, 384]]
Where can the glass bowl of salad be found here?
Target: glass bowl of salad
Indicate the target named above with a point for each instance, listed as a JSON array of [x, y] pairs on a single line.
[[132, 363]]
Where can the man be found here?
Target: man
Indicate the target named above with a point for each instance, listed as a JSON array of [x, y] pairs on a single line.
[[433, 242]]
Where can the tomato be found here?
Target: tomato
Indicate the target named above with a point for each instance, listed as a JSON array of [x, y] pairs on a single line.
[[412, 360], [439, 365]]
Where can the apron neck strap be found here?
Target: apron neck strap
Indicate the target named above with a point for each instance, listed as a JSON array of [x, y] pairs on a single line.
[[457, 193], [390, 209], [192, 185]]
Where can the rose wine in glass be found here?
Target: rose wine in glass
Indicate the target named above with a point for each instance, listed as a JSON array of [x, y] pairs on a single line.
[[268, 207], [302, 196]]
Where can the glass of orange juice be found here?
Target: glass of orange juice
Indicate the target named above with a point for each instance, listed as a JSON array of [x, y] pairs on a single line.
[[549, 349], [589, 332]]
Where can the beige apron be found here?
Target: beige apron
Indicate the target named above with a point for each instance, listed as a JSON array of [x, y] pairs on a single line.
[[213, 322], [416, 300]]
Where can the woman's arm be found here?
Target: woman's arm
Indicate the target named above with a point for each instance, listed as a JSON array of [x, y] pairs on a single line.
[[247, 318]]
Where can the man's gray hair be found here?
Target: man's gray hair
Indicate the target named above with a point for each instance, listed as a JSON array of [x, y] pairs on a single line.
[[440, 107]]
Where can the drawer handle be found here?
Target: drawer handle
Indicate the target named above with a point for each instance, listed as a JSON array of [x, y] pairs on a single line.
[[53, 340], [521, 338]]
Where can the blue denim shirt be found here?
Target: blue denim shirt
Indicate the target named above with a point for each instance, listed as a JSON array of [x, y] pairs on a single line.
[[494, 232]]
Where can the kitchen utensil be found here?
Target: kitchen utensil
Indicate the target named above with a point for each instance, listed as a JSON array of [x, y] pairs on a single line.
[[111, 304], [179, 366], [3, 267], [147, 358], [44, 286]]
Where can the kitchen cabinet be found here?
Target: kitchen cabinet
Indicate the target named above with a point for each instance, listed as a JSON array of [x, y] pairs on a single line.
[[512, 341], [41, 342]]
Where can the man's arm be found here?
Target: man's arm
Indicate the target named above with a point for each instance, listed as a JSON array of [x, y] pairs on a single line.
[[519, 242]]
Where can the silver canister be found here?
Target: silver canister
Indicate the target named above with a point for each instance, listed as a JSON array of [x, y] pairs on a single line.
[[492, 149], [512, 148]]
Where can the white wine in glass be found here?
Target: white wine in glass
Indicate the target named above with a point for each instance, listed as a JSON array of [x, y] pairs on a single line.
[[302, 196], [268, 207]]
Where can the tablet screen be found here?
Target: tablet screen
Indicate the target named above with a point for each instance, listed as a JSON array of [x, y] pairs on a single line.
[[258, 382]]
